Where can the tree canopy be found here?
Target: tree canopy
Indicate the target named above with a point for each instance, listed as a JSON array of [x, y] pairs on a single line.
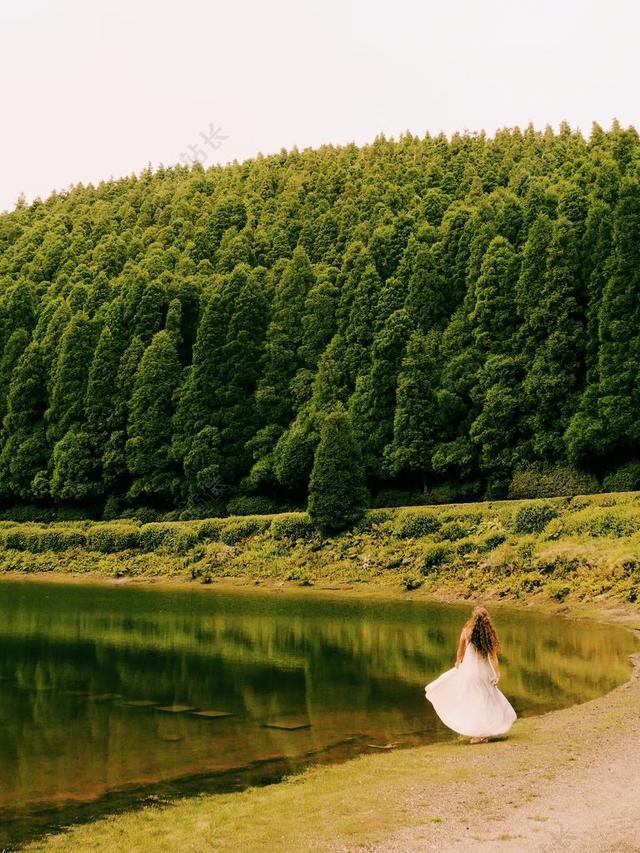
[[470, 304]]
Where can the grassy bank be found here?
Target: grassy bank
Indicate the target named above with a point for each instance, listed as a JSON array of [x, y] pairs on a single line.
[[514, 794], [579, 548]]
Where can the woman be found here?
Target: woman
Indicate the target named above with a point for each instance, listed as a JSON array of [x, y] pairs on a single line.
[[466, 698]]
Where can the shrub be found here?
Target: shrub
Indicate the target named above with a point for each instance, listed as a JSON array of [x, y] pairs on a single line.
[[412, 524], [375, 518], [467, 546], [626, 478], [435, 556], [410, 583], [20, 538], [176, 537], [209, 529], [143, 514], [532, 581], [109, 538], [112, 508], [36, 539], [61, 538], [631, 566], [251, 505], [558, 590], [489, 541], [562, 480], [235, 530], [533, 518], [154, 534], [182, 540], [292, 526], [452, 531], [525, 551], [610, 522], [173, 515]]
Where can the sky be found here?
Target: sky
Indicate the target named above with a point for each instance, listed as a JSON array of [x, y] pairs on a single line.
[[99, 89]]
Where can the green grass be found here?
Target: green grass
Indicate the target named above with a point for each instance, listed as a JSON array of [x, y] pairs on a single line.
[[325, 808], [557, 549]]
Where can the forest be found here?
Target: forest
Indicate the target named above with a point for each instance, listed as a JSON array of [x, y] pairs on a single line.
[[467, 309]]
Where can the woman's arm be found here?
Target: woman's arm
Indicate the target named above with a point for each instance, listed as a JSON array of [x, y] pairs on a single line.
[[493, 657], [462, 645]]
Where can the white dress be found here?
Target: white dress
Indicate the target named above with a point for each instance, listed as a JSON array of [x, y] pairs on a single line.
[[467, 700]]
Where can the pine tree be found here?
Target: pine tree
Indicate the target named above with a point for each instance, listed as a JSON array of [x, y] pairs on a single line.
[[293, 454], [416, 420], [198, 401], [331, 383], [173, 322], [51, 337], [25, 452], [150, 312], [493, 314], [362, 322], [530, 283], [372, 405], [493, 322], [70, 377], [283, 339], [75, 468], [149, 427], [496, 429], [114, 463], [203, 468], [337, 493], [428, 298], [102, 390], [454, 454], [17, 311], [15, 346], [318, 321], [619, 355], [240, 362], [553, 375]]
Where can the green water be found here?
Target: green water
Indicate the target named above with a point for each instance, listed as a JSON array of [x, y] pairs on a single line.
[[102, 689]]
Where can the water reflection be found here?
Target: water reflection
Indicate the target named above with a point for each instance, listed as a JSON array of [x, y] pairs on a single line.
[[107, 690]]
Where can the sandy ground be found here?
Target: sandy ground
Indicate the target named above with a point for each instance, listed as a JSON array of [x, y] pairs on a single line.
[[572, 784]]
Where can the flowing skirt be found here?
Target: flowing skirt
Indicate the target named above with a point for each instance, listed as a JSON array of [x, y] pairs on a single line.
[[467, 700]]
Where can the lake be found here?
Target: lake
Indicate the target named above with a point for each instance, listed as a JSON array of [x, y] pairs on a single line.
[[111, 696]]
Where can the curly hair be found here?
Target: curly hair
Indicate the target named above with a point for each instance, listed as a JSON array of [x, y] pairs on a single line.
[[481, 632]]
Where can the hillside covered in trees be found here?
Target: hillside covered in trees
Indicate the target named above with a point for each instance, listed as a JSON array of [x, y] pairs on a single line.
[[177, 339]]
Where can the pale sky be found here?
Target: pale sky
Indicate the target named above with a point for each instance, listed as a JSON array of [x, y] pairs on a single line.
[[93, 89]]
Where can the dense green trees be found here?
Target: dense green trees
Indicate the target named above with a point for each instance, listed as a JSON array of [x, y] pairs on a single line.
[[337, 494], [440, 314], [151, 411]]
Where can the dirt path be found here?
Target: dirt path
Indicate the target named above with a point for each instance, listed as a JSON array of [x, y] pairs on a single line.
[[572, 784]]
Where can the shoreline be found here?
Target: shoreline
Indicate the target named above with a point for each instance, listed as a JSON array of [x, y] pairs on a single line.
[[430, 799], [512, 794], [607, 609]]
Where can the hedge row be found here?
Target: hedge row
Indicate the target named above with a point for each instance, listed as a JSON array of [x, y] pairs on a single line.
[[486, 524], [176, 537]]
